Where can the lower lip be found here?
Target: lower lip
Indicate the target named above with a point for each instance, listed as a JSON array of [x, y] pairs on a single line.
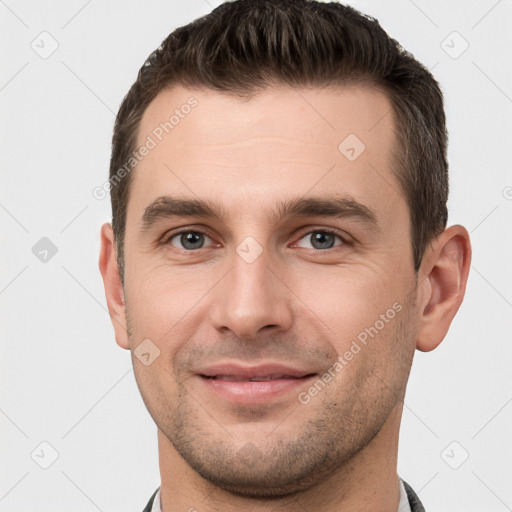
[[255, 392]]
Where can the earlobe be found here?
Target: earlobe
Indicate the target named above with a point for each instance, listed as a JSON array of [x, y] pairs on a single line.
[[114, 293], [445, 269]]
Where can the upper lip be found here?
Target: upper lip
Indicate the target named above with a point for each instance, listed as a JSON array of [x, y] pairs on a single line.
[[257, 371]]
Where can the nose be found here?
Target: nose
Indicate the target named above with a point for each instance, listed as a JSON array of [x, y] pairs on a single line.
[[251, 299]]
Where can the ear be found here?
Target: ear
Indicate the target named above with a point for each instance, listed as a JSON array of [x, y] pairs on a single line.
[[113, 288], [445, 271]]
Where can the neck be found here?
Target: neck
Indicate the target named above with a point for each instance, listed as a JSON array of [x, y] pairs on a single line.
[[368, 481]]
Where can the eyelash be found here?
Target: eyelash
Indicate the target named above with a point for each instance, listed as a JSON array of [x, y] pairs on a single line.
[[344, 240]]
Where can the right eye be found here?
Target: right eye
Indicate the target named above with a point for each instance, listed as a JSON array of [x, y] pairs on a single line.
[[189, 240]]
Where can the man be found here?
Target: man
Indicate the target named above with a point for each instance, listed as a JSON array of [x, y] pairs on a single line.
[[278, 251]]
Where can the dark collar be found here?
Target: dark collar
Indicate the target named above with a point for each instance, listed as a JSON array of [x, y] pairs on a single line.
[[414, 501], [149, 506]]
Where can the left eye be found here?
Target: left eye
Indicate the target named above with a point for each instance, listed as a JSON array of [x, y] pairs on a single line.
[[189, 240], [320, 240]]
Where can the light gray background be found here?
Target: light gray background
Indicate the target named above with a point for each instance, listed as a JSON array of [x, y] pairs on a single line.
[[66, 382]]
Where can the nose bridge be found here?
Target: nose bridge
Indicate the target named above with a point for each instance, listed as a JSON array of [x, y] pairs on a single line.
[[251, 298]]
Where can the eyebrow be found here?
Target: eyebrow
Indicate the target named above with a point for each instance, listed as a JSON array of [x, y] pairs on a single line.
[[166, 207], [336, 207]]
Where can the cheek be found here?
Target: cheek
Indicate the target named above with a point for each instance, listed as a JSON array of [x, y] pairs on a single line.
[[349, 300], [159, 389], [163, 304], [158, 313], [362, 314]]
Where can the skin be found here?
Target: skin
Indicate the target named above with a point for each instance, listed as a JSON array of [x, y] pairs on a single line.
[[295, 304]]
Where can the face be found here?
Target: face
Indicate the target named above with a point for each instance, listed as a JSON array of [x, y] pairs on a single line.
[[268, 262]]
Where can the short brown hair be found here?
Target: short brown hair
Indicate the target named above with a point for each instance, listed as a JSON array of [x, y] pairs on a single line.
[[244, 46]]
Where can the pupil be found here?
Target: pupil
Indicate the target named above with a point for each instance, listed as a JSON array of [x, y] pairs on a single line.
[[191, 240], [321, 240]]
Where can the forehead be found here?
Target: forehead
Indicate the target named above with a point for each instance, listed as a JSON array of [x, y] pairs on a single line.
[[282, 141], [321, 115]]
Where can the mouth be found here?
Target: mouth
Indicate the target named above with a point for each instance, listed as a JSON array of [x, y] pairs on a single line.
[[237, 378], [254, 385]]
